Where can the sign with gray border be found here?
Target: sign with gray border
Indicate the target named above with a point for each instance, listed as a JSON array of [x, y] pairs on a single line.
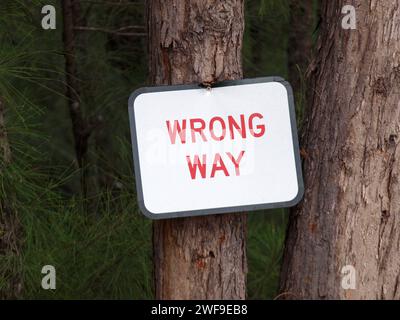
[[245, 128]]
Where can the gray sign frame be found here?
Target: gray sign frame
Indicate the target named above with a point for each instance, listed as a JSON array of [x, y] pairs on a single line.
[[234, 209]]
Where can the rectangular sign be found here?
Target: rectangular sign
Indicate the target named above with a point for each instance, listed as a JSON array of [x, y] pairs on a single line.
[[232, 148]]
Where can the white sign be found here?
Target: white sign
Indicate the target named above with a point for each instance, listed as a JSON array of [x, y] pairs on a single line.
[[232, 148]]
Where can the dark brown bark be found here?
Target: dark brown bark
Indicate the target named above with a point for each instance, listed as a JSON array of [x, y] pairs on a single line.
[[73, 91], [81, 128], [195, 41], [10, 227], [300, 42], [198, 41], [350, 212]]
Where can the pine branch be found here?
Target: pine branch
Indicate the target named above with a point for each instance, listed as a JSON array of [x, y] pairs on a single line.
[[118, 32]]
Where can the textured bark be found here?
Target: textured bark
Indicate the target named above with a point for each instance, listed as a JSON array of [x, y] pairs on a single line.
[[198, 41], [300, 41], [10, 227], [82, 127], [195, 41], [73, 90], [351, 210]]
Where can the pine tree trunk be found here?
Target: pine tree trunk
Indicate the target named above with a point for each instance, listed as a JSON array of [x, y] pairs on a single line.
[[350, 212], [198, 41], [80, 126]]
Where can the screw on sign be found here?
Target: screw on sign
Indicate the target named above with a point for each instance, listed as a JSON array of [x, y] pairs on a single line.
[[230, 149]]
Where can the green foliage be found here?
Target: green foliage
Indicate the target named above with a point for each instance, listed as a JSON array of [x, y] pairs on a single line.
[[95, 257], [265, 246], [273, 8], [102, 255], [265, 38]]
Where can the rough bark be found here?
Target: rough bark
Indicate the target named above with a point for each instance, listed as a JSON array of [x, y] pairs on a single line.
[[10, 227], [81, 127], [350, 212], [73, 91], [197, 41], [300, 42]]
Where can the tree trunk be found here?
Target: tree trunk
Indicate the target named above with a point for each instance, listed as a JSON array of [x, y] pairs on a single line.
[[10, 227], [350, 212], [80, 127], [198, 41], [299, 45]]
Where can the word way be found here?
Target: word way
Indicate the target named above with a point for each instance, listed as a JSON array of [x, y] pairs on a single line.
[[217, 165]]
